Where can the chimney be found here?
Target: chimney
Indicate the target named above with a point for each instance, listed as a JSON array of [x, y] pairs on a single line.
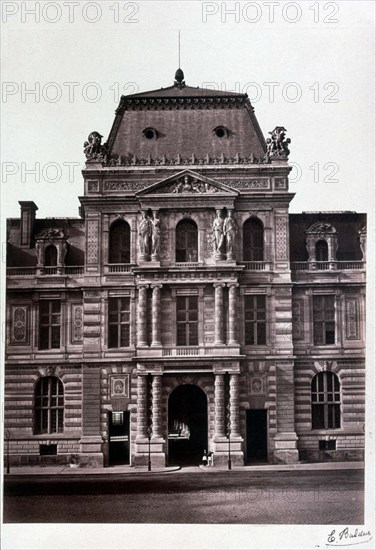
[[28, 209]]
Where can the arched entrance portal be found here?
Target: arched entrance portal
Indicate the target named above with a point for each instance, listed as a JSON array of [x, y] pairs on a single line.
[[187, 425]]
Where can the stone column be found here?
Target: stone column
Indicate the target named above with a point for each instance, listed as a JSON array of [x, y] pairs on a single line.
[[234, 405], [157, 406], [156, 317], [232, 311], [142, 315], [218, 313], [142, 407], [219, 406]]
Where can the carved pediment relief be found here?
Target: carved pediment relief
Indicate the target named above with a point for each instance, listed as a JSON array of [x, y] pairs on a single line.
[[51, 234], [188, 183], [321, 228]]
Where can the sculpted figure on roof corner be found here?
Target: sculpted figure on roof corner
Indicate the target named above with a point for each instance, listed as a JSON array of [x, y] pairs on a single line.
[[277, 145], [93, 148]]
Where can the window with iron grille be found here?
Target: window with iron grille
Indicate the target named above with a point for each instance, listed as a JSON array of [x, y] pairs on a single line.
[[255, 320], [187, 320], [326, 401], [119, 322], [49, 406], [186, 241], [323, 320], [49, 324]]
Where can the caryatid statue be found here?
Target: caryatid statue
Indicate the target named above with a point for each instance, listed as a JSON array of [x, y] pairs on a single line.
[[218, 231], [145, 231], [156, 236], [229, 232]]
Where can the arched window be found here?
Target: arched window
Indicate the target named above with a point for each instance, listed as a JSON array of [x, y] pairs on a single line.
[[50, 256], [120, 243], [326, 401], [186, 241], [321, 251], [49, 406], [253, 241]]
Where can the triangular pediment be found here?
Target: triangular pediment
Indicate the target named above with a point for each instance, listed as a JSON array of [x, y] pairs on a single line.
[[188, 183]]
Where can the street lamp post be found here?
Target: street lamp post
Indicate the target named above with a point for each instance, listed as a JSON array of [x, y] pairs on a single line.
[[229, 448], [149, 438], [7, 436]]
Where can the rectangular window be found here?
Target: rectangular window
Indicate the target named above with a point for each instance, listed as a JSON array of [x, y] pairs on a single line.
[[187, 320], [323, 320], [119, 322], [255, 320], [49, 406], [49, 324]]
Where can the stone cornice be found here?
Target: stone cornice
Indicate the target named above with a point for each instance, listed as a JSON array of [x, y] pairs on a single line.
[[167, 103]]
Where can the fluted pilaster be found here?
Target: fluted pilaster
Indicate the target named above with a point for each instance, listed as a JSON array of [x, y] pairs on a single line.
[[157, 406], [218, 313], [219, 405], [232, 313], [142, 315], [234, 405], [156, 315], [142, 407]]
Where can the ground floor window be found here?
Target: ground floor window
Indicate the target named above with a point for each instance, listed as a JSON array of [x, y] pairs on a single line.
[[326, 401]]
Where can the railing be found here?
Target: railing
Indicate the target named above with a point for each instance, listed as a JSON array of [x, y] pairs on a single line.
[[189, 351], [177, 352], [118, 268], [28, 271], [75, 270], [187, 264], [325, 266], [53, 270], [257, 266]]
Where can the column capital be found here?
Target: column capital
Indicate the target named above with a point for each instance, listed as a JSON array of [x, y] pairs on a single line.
[[156, 285], [233, 285], [218, 285], [142, 285]]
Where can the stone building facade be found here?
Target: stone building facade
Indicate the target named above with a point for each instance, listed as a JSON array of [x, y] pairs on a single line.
[[185, 310]]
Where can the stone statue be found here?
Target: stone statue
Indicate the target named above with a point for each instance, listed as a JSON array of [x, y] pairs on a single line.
[[218, 231], [156, 236], [277, 145], [93, 148], [229, 231], [145, 231]]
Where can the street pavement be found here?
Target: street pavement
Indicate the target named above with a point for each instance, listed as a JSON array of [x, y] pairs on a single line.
[[264, 494]]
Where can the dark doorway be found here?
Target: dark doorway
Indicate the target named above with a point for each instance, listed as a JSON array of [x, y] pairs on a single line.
[[118, 427], [257, 440], [187, 425]]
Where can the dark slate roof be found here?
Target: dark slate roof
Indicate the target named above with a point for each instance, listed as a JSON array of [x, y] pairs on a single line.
[[184, 118], [73, 227]]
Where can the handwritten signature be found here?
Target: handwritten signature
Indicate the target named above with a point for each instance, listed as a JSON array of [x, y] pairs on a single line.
[[348, 537]]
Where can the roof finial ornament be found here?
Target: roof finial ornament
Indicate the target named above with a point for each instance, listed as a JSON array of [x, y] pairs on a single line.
[[179, 75]]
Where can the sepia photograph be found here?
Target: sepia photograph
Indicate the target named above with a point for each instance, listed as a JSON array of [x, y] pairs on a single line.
[[188, 274]]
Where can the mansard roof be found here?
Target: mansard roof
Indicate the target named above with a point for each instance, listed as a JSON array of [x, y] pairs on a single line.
[[186, 121]]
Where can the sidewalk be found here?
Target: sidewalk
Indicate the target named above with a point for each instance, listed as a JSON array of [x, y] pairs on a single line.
[[135, 470]]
